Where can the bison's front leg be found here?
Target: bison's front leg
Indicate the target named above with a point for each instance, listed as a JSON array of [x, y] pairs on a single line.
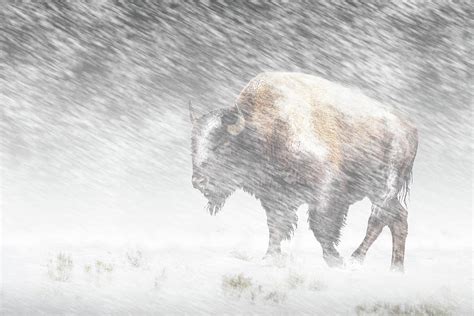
[[281, 221], [326, 221]]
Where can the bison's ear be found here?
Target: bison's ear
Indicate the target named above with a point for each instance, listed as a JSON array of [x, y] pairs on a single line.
[[191, 113], [234, 120]]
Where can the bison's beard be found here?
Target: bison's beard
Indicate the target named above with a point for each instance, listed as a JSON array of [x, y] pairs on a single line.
[[215, 203], [214, 207]]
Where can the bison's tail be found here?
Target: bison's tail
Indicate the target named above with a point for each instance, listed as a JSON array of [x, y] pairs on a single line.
[[404, 191], [407, 178]]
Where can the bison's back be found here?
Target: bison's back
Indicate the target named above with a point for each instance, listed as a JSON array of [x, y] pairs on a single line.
[[310, 118]]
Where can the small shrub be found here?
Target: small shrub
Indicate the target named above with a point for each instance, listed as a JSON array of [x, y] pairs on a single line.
[[242, 287], [237, 282], [295, 280], [99, 271], [256, 292], [402, 310], [135, 258], [275, 297], [317, 285], [101, 267], [158, 282], [87, 268], [60, 268]]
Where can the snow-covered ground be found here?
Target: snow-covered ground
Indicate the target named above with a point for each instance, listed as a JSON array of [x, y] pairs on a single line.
[[197, 264], [98, 212]]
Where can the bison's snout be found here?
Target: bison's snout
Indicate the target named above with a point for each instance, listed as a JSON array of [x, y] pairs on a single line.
[[200, 182]]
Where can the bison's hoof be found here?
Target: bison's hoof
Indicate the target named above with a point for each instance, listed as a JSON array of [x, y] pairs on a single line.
[[357, 259], [275, 259], [272, 255], [397, 268], [334, 261]]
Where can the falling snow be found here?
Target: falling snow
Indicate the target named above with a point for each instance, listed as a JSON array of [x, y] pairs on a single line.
[[99, 215]]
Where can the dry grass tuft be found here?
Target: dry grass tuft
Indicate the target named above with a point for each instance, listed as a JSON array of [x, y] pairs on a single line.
[[403, 310], [135, 258], [236, 284], [101, 267], [241, 286], [60, 268], [295, 280]]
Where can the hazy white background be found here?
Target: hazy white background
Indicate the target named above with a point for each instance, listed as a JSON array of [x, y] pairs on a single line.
[[96, 162]]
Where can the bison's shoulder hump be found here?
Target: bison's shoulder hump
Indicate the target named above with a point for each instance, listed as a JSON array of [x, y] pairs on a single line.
[[297, 91]]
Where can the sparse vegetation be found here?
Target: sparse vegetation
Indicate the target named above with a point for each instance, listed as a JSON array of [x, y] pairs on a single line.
[[276, 297], [236, 284], [256, 292], [87, 268], [295, 280], [99, 271], [317, 285], [60, 268], [159, 279], [402, 310], [135, 258], [101, 267], [242, 286]]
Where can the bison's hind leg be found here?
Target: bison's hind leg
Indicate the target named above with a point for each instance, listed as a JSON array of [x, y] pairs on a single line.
[[388, 211], [393, 215], [374, 228], [398, 225]]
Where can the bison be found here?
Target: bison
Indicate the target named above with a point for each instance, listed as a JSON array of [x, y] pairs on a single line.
[[294, 138]]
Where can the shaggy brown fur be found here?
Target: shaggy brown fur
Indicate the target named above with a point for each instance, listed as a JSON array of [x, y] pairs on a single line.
[[303, 139]]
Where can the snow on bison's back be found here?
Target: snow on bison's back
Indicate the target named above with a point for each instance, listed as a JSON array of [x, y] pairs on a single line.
[[293, 138]]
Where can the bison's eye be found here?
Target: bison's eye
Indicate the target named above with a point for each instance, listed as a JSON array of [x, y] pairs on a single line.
[[219, 143]]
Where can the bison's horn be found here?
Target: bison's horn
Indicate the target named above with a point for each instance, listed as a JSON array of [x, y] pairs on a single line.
[[191, 113], [239, 125]]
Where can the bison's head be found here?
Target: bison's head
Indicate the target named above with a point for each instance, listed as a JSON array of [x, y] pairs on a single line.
[[213, 152]]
